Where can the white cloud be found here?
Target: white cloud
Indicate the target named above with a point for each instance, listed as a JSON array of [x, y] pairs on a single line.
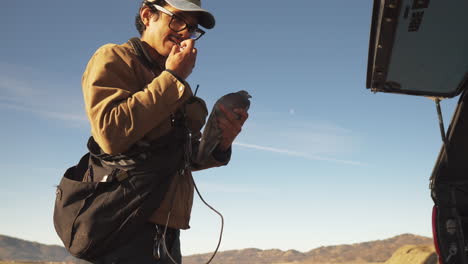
[[229, 188], [297, 154], [22, 89], [15, 87], [71, 117], [307, 138]]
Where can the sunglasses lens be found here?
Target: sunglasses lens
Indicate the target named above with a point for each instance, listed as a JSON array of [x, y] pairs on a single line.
[[194, 35]]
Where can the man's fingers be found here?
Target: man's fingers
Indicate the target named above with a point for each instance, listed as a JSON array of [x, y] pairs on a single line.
[[229, 126], [173, 50], [231, 123], [229, 115], [194, 54], [227, 135], [243, 114], [238, 119], [188, 45]]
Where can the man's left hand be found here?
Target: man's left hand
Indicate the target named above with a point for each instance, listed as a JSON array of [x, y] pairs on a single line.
[[231, 126]]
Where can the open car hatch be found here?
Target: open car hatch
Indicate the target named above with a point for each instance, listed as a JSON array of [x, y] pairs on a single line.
[[419, 47]]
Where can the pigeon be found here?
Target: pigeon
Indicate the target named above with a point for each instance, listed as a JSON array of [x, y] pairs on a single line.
[[211, 135]]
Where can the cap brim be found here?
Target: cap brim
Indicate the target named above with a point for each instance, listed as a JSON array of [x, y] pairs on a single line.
[[207, 20]]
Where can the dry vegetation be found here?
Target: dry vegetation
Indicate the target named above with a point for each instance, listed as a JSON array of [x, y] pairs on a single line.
[[414, 254]]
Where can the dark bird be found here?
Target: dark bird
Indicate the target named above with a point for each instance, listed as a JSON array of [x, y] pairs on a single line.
[[212, 133]]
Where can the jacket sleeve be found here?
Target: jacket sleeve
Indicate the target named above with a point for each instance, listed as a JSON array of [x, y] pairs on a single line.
[[217, 159], [119, 111]]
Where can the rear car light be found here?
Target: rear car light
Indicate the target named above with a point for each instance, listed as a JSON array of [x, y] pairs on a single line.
[[434, 233]]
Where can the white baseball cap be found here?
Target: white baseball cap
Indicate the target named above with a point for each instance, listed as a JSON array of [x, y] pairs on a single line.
[[207, 20]]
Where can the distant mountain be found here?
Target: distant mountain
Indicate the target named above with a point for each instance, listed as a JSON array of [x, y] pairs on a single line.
[[377, 251], [369, 252], [248, 256], [18, 249], [373, 251]]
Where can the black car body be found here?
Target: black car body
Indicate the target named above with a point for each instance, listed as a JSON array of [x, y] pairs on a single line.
[[449, 191]]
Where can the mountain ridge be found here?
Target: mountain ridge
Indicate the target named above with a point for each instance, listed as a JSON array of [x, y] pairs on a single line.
[[12, 248], [376, 251]]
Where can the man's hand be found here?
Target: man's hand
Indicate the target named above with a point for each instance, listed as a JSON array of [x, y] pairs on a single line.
[[231, 126], [182, 58]]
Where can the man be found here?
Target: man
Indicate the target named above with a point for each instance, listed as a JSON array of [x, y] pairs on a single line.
[[136, 95]]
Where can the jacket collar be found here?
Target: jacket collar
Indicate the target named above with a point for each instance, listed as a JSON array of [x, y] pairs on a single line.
[[142, 52]]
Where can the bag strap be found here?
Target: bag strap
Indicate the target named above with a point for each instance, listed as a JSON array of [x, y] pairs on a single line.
[[142, 53]]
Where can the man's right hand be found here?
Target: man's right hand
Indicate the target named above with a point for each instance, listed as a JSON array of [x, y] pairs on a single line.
[[182, 58]]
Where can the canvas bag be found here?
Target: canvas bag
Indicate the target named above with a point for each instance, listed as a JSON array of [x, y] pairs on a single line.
[[92, 218]]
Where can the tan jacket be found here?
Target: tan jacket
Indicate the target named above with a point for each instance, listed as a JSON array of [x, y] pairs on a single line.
[[126, 102]]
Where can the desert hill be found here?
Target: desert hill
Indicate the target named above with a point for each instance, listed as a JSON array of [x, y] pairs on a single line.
[[17, 249], [368, 252], [373, 252], [414, 254]]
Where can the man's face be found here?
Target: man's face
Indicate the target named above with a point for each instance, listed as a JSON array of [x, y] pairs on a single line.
[[158, 34]]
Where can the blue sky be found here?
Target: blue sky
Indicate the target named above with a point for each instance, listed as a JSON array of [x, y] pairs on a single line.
[[321, 160]]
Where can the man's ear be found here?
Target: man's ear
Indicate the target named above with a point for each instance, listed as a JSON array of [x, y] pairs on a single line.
[[146, 15]]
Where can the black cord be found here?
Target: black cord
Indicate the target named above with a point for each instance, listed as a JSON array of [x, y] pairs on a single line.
[[220, 215], [187, 169], [209, 206]]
